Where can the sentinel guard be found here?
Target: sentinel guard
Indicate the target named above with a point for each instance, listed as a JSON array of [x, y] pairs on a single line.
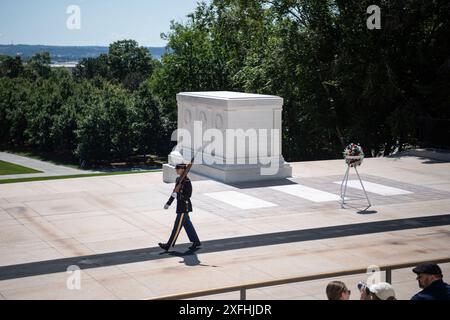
[[182, 192]]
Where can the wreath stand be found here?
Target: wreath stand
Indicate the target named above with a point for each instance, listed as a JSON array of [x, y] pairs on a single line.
[[353, 165]]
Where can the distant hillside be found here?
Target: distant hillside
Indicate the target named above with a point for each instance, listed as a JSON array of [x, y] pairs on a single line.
[[65, 53]]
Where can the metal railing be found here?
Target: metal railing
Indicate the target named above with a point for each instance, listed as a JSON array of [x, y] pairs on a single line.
[[242, 288]]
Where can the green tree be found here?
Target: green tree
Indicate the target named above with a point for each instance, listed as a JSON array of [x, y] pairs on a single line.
[[10, 66], [14, 99], [340, 81], [91, 68], [129, 63], [149, 128], [39, 65], [105, 128]]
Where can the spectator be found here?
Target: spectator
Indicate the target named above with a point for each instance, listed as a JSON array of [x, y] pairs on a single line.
[[429, 276], [337, 290], [379, 291]]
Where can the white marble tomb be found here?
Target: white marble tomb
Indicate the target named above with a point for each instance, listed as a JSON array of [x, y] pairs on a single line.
[[238, 118]]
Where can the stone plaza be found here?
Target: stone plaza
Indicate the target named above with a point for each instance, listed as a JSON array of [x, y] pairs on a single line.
[[109, 227]]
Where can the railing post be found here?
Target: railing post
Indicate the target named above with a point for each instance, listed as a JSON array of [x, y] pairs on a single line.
[[389, 275], [243, 294]]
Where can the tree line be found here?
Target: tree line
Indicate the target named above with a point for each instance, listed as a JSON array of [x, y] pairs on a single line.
[[101, 112], [386, 89]]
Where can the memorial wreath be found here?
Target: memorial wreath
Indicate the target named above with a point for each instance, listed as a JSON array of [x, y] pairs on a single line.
[[353, 155]]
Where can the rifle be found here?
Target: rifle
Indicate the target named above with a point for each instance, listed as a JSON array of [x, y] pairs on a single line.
[[182, 177]]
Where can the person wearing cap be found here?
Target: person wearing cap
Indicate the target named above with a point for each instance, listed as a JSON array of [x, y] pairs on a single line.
[[430, 279], [184, 206], [378, 291]]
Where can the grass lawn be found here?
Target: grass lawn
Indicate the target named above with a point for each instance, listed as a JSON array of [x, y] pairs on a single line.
[[74, 176], [11, 168], [65, 160]]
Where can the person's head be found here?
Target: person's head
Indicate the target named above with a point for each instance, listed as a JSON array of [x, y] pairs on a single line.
[[180, 168], [337, 290], [427, 273], [381, 291]]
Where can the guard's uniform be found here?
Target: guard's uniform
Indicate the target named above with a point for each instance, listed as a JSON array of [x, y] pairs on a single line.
[[184, 206]]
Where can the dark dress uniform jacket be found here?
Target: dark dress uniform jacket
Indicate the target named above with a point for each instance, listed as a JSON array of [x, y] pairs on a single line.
[[183, 197]]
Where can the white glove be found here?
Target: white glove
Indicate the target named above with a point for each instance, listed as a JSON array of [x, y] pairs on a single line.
[[166, 206], [174, 195]]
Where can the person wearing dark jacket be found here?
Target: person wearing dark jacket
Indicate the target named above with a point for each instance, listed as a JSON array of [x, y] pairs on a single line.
[[184, 206], [429, 276]]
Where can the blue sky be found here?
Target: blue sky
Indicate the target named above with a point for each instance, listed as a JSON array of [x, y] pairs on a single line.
[[102, 21]]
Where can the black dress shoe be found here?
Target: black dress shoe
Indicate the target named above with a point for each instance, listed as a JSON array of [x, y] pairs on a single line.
[[195, 246], [164, 246]]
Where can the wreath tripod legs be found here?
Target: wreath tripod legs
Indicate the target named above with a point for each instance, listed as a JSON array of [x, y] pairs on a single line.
[[344, 187]]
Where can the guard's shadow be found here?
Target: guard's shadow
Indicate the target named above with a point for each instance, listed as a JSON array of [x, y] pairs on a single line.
[[190, 258]]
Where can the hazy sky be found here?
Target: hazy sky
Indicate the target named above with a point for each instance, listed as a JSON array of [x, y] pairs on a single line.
[[101, 21]]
